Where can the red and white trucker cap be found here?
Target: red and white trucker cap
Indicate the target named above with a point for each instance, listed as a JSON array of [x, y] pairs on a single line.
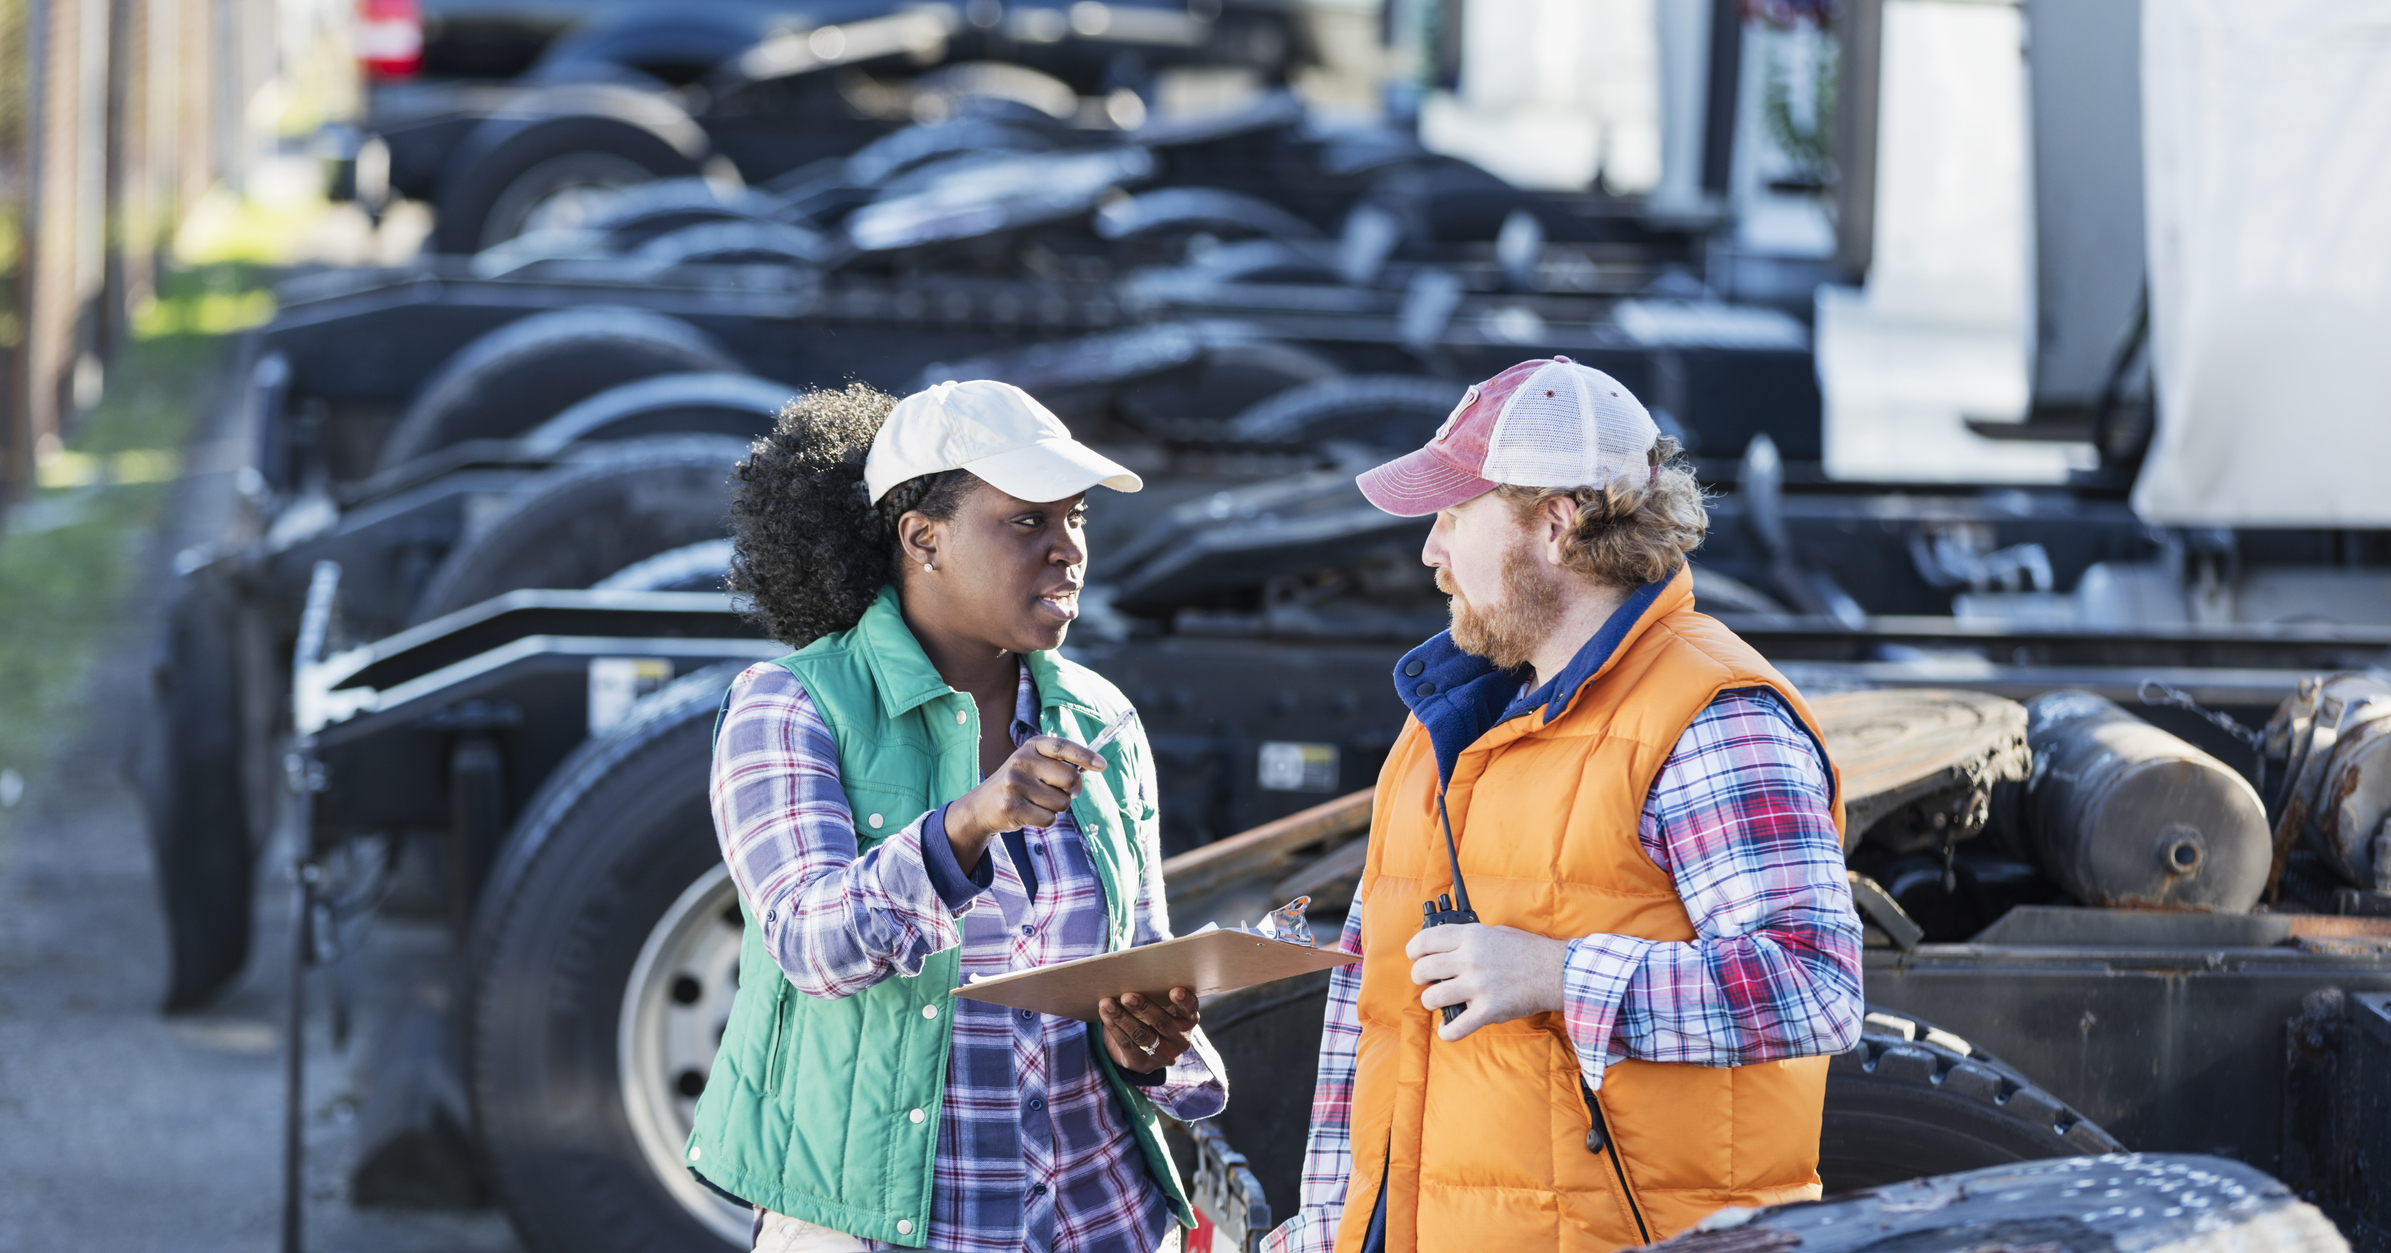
[[1538, 424]]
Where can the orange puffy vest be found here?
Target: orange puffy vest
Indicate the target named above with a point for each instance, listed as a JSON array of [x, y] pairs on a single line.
[[1482, 1141]]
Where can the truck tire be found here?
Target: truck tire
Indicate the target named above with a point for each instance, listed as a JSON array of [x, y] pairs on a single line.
[[199, 820], [882, 160], [513, 378], [1380, 410], [642, 213], [611, 875], [698, 567], [740, 406], [2148, 1202], [1913, 1100], [574, 526], [1182, 211], [740, 243], [525, 172], [1191, 401]]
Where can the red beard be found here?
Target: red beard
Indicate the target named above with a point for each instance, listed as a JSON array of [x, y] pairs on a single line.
[[1507, 634]]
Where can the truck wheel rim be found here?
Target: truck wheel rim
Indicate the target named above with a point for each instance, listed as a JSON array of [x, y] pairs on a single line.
[[674, 1008]]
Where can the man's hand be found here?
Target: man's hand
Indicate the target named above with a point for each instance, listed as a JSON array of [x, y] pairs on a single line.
[[1144, 1036], [1502, 972], [1034, 785]]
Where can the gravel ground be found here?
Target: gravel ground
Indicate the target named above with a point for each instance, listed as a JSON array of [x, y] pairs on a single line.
[[120, 1127]]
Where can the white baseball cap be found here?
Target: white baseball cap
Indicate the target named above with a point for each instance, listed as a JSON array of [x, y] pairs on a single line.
[[1538, 424], [995, 430]]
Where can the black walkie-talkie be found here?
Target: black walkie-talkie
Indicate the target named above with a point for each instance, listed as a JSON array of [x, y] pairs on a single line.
[[1447, 910]]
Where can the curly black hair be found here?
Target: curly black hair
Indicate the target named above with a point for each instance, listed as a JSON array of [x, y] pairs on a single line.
[[809, 551]]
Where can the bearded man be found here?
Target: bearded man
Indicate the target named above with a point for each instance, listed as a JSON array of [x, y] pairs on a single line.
[[1664, 952]]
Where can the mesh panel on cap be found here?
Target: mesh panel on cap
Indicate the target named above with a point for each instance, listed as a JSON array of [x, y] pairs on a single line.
[[1568, 426]]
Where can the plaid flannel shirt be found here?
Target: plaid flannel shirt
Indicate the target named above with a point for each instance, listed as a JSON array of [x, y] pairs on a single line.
[[1742, 819], [1034, 1152]]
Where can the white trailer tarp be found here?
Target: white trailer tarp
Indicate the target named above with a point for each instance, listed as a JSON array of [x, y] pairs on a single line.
[[2267, 151]]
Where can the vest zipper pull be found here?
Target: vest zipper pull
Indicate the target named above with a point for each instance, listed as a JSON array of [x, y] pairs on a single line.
[[1598, 1139], [1597, 1135]]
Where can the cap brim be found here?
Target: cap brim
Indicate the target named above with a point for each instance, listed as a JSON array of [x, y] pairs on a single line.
[[1053, 469], [1420, 483]]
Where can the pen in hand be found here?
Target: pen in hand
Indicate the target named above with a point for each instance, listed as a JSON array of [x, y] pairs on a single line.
[[1112, 730]]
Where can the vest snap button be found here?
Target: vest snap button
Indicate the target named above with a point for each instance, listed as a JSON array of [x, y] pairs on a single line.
[[929, 1011], [875, 821], [1412, 668], [904, 1226], [1424, 689], [958, 717], [916, 1116]]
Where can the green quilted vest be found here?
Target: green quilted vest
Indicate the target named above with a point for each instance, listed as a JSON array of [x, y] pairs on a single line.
[[828, 1110]]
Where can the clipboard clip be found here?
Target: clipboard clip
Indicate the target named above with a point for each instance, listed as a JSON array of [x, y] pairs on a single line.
[[1446, 911], [1286, 924]]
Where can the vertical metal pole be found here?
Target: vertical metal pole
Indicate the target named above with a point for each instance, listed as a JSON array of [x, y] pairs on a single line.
[[304, 778], [294, 1071], [1719, 113], [1859, 34]]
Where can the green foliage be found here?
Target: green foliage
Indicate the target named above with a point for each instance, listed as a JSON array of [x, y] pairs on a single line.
[[1810, 142], [70, 555]]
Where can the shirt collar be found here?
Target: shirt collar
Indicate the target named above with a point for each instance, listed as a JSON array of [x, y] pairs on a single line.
[[1025, 707], [1460, 696], [1592, 656]]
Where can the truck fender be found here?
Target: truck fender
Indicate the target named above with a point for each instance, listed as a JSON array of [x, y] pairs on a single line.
[[542, 124]]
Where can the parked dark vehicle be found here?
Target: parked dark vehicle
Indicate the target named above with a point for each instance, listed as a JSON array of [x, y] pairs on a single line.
[[515, 117], [495, 41]]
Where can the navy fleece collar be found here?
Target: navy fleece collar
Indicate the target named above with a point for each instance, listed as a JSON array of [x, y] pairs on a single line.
[[1459, 697]]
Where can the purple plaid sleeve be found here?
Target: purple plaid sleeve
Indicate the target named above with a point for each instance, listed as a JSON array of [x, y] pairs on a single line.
[[835, 920], [1742, 818], [1035, 1153], [947, 876], [1328, 1154]]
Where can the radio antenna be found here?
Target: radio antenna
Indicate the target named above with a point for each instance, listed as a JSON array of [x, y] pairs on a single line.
[[1452, 855]]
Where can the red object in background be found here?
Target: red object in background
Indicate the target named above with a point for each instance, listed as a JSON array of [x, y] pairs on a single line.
[[1200, 1239], [390, 37]]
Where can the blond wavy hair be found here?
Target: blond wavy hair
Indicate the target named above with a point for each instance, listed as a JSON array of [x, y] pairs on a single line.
[[1633, 530]]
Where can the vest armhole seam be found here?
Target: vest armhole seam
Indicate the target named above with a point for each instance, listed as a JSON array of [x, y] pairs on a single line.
[[1794, 715]]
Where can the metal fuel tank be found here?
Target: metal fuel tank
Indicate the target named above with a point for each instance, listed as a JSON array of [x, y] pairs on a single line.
[[2125, 815]]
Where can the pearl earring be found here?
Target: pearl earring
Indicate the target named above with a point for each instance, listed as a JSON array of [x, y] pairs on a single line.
[[927, 567]]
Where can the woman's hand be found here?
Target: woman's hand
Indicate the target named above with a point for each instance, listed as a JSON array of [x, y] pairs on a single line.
[[1034, 785], [1144, 1036]]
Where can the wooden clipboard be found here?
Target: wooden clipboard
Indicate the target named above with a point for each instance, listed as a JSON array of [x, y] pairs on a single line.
[[1209, 963]]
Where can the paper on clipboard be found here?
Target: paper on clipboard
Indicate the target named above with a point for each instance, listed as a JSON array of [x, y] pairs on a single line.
[[1209, 963]]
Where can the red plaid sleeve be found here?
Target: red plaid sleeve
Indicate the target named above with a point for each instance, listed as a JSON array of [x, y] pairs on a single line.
[[1742, 818]]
